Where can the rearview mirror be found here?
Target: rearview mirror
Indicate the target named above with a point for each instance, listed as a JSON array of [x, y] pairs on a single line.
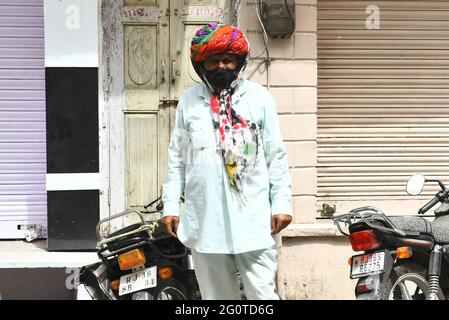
[[415, 184]]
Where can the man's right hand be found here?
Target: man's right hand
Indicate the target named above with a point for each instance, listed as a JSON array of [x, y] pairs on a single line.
[[171, 225]]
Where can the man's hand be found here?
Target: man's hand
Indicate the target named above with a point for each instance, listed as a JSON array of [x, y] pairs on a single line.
[[171, 225], [279, 222]]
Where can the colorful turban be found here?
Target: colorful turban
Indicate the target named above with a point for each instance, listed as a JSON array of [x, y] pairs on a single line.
[[216, 38]]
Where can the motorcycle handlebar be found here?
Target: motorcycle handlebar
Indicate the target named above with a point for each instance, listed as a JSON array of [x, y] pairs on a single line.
[[428, 205]]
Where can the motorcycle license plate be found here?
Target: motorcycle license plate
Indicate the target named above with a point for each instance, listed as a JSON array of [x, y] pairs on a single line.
[[367, 264], [139, 280]]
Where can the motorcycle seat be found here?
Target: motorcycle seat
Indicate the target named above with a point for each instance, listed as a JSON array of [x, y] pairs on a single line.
[[440, 229], [416, 224]]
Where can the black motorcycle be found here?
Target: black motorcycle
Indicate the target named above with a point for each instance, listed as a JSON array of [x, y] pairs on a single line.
[[405, 258], [139, 261]]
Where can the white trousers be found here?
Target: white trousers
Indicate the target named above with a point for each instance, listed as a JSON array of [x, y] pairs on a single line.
[[217, 274]]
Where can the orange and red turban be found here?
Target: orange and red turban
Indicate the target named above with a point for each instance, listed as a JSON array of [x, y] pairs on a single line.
[[215, 38]]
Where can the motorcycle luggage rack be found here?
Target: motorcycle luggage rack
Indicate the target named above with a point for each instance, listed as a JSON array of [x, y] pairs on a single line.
[[144, 226], [129, 243], [367, 215], [135, 243]]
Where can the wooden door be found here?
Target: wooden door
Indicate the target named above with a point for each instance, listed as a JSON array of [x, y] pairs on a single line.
[[145, 69]]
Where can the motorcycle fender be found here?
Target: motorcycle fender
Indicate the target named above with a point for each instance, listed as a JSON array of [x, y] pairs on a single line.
[[379, 281], [95, 280]]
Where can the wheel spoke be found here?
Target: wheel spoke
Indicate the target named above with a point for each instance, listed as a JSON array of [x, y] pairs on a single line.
[[416, 291], [404, 291], [410, 285]]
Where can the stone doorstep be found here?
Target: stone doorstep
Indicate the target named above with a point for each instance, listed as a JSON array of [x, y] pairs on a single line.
[[22, 254], [310, 230]]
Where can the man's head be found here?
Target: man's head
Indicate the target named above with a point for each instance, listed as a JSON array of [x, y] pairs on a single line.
[[220, 70], [219, 55], [221, 61]]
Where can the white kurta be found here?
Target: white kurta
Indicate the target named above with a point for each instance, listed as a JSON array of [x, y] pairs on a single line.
[[213, 221]]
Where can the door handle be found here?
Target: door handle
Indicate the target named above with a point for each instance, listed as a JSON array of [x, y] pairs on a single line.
[[173, 74], [163, 71]]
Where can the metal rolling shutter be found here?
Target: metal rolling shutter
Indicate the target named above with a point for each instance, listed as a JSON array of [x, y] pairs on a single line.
[[383, 102], [22, 116]]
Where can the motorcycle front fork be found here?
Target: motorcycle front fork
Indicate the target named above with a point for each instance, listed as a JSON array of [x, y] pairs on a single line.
[[434, 272]]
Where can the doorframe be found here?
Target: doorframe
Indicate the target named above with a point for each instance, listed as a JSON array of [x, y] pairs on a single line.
[[110, 82], [112, 104]]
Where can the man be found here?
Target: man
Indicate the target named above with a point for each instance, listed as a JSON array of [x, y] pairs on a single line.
[[226, 153]]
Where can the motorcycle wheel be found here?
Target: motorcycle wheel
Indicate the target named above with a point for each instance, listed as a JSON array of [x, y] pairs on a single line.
[[407, 281], [171, 290]]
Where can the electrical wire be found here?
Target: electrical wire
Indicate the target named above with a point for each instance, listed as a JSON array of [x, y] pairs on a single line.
[[267, 59], [264, 32], [257, 68], [236, 10]]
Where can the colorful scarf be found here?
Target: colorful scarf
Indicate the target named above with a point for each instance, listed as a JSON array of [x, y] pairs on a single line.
[[238, 139]]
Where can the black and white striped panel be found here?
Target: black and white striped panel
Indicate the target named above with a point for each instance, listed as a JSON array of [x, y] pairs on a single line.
[[71, 78]]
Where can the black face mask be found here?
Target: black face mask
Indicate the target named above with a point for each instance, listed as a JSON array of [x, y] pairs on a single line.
[[221, 78]]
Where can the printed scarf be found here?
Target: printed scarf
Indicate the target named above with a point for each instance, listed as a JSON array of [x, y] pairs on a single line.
[[238, 139]]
